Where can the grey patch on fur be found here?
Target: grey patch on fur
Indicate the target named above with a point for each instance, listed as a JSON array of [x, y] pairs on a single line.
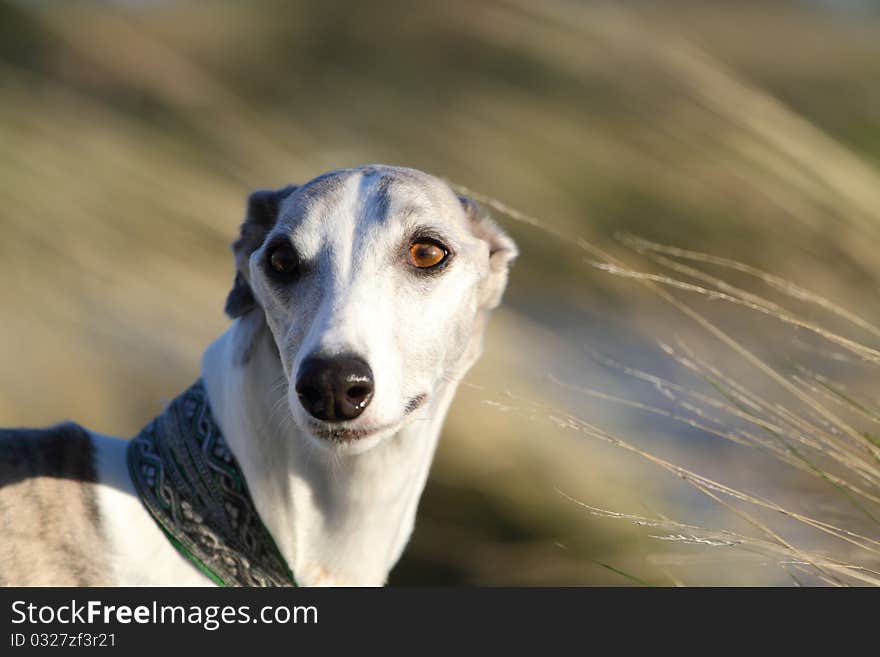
[[380, 193], [50, 525], [319, 187]]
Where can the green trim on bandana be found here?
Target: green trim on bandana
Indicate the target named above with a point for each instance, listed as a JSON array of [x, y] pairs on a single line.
[[193, 488]]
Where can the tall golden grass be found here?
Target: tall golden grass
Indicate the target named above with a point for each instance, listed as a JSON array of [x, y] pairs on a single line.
[[808, 422]]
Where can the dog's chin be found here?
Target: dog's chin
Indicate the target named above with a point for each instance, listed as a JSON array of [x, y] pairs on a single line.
[[346, 438]]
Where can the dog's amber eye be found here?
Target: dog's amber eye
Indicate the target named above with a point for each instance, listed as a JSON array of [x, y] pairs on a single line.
[[426, 254], [283, 260]]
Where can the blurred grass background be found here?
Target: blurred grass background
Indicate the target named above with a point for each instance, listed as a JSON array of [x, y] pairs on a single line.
[[131, 133]]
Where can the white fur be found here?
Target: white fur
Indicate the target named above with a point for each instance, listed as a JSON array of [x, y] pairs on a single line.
[[340, 512]]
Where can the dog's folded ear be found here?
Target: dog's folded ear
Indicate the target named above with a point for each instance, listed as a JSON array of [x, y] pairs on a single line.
[[262, 213], [502, 251]]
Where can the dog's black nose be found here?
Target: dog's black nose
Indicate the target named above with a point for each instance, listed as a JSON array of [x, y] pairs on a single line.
[[335, 389]]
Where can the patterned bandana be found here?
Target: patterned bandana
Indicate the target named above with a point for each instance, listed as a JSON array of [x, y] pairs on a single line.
[[190, 483]]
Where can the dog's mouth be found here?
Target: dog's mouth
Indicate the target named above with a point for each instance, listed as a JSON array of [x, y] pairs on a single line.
[[352, 434], [342, 435]]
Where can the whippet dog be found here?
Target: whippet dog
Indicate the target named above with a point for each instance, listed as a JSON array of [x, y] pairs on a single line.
[[360, 301]]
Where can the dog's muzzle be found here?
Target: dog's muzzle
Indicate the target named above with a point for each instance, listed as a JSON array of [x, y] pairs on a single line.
[[334, 389]]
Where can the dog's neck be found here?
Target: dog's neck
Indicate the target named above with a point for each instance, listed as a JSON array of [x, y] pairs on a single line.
[[337, 519]]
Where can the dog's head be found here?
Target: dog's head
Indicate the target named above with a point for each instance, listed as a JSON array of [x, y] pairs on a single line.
[[374, 283]]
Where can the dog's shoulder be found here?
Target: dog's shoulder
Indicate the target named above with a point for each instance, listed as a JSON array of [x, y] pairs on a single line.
[[50, 522]]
